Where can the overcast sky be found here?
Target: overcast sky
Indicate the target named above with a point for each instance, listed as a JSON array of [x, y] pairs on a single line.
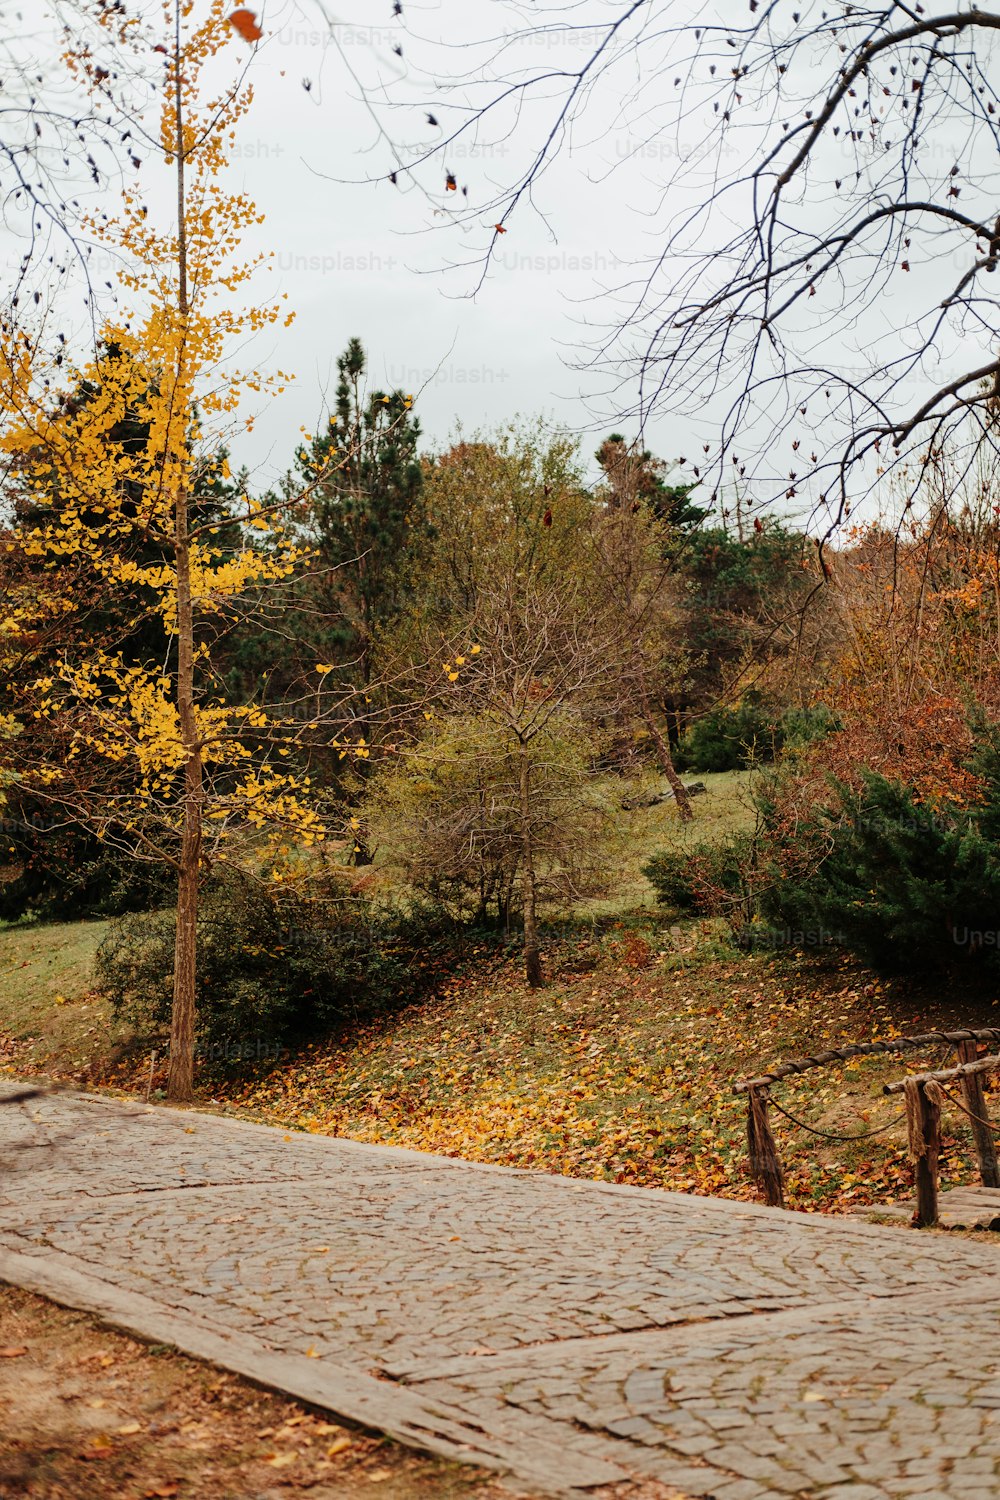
[[372, 260], [393, 266]]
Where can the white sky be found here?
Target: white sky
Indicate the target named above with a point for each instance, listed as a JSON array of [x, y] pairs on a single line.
[[367, 259], [373, 260]]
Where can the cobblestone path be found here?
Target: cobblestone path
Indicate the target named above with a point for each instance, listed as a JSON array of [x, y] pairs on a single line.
[[585, 1339]]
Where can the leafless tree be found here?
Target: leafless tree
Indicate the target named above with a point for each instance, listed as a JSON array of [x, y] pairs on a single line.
[[449, 814], [823, 206], [547, 653], [59, 143]]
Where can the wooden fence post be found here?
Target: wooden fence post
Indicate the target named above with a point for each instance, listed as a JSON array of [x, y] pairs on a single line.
[[923, 1123], [982, 1131], [765, 1163]]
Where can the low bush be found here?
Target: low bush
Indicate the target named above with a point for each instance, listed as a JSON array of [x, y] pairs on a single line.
[[58, 871], [908, 886], [274, 969], [722, 879], [730, 739]]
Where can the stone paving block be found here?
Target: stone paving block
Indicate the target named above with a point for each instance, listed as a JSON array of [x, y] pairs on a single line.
[[852, 1491]]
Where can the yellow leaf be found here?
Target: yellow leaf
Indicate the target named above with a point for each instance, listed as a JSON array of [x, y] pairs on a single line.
[[339, 1447]]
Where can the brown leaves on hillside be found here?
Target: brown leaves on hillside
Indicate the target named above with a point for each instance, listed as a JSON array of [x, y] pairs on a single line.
[[620, 1075]]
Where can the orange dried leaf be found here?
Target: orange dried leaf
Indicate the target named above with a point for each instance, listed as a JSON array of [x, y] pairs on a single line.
[[245, 22]]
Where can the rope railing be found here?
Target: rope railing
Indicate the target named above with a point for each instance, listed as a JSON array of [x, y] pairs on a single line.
[[867, 1049], [923, 1101]]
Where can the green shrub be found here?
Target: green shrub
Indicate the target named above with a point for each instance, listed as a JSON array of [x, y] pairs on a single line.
[[711, 879], [672, 878], [730, 739], [726, 738], [275, 969], [800, 727], [908, 886], [59, 871]]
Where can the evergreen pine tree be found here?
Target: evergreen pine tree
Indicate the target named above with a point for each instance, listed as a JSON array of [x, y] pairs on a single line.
[[368, 513], [53, 865]]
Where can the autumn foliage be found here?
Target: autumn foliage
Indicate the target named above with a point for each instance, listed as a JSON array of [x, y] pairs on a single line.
[[145, 749]]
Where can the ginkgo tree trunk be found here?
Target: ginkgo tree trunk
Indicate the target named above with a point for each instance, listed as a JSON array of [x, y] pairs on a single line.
[[148, 752]]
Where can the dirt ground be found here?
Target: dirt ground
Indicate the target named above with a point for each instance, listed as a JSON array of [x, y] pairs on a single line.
[[89, 1414]]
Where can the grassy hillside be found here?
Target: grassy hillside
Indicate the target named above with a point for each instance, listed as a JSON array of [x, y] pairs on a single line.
[[50, 1017], [621, 1068], [725, 806]]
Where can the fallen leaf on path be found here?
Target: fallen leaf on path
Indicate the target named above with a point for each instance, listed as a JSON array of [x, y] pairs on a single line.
[[312, 1353], [163, 1491], [339, 1446], [13, 1353], [130, 1429], [280, 1460], [100, 1447]]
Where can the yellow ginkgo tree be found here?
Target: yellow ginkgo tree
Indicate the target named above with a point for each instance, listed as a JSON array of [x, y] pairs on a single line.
[[147, 751]]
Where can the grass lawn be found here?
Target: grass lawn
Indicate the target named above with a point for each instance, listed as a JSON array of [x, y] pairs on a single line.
[[50, 1017], [724, 807]]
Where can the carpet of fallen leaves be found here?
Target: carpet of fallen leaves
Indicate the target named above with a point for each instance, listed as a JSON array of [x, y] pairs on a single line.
[[622, 1069], [89, 1413]]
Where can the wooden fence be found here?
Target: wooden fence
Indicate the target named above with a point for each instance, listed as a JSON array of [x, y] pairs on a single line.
[[923, 1094]]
